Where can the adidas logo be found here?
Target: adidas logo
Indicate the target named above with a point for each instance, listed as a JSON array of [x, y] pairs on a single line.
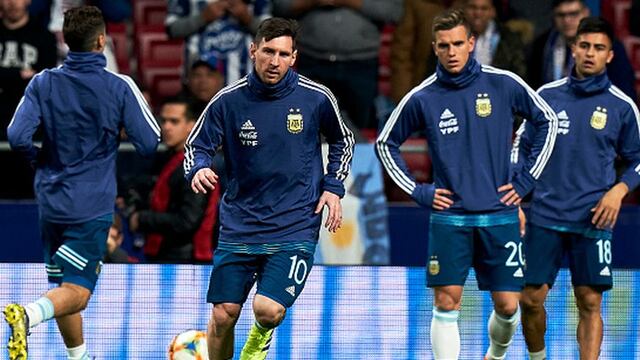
[[518, 273], [446, 114], [605, 271], [562, 115], [247, 126], [291, 290]]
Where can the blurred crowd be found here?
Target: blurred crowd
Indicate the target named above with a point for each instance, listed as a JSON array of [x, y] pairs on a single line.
[[370, 53]]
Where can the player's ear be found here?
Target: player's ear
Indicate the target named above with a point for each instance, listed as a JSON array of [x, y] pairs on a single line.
[[294, 57], [610, 56], [253, 48], [101, 42]]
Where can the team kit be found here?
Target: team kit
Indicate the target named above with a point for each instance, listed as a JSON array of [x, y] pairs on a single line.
[[272, 211]]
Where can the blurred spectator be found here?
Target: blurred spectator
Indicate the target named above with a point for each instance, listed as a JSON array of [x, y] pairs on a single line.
[[551, 56], [26, 48], [412, 57], [115, 253], [218, 32], [175, 225], [538, 13], [203, 82], [338, 46], [496, 45], [112, 10]]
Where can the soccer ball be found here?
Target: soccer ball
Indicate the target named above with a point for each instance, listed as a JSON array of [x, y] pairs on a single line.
[[189, 345]]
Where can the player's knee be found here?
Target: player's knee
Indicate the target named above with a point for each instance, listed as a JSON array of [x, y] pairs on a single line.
[[588, 303], [81, 296], [506, 309], [269, 315], [531, 303], [225, 315], [445, 302]]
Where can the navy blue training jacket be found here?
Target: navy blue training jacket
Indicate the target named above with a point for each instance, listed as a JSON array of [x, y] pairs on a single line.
[[468, 119], [81, 107], [270, 136], [597, 122]]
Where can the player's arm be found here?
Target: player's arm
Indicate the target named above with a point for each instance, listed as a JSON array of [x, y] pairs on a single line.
[[605, 213], [341, 142], [142, 129], [25, 122], [405, 120], [200, 148], [544, 127]]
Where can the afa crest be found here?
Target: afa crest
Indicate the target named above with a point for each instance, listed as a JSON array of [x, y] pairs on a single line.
[[599, 118], [295, 123], [434, 266], [483, 105]]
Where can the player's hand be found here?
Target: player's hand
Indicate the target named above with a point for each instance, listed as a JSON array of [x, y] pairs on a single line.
[[205, 179], [334, 219], [511, 197], [441, 199], [134, 222], [523, 222], [605, 213]]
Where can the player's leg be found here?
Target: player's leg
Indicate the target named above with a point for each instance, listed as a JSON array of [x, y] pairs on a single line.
[[450, 257], [590, 323], [73, 254], [232, 277], [280, 281], [220, 332], [499, 265], [590, 264], [543, 249]]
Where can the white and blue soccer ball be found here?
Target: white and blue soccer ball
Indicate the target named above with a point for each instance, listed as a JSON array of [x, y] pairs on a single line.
[[189, 345]]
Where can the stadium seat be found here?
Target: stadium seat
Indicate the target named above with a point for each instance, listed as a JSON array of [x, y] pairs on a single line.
[[156, 48], [162, 83], [149, 12], [118, 34]]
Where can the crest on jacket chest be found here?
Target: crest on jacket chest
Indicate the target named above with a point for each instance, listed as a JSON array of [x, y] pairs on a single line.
[[295, 122], [483, 105]]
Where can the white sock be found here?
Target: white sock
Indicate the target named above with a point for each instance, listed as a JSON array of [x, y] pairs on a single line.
[[501, 332], [445, 337], [78, 353], [39, 311], [538, 355]]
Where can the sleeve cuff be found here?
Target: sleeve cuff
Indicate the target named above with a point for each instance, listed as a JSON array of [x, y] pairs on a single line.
[[523, 183], [333, 185], [631, 180], [423, 194]]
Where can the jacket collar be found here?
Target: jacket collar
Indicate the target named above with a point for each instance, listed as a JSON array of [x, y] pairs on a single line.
[[590, 84], [469, 72], [85, 60], [283, 88]]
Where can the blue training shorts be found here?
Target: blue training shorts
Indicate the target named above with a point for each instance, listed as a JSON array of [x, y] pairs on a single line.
[[73, 252], [494, 251], [589, 257], [281, 276]]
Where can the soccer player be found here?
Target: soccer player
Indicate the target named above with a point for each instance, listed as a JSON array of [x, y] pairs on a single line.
[[577, 199], [269, 125], [467, 112], [81, 108]]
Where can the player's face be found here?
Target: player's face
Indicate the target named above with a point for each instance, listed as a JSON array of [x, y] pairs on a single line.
[[567, 16], [453, 48], [175, 125], [273, 58], [592, 52]]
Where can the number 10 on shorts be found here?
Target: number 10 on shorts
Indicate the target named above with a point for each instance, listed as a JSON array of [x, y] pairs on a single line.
[[296, 267]]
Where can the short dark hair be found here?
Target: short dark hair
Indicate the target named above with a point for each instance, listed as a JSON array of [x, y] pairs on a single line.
[[557, 3], [191, 110], [81, 28], [275, 27], [450, 19], [593, 24]]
